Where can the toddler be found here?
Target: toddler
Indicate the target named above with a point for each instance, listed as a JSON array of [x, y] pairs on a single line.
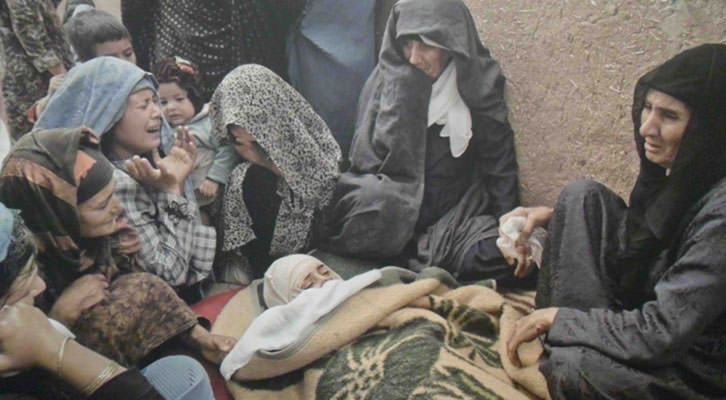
[[182, 104]]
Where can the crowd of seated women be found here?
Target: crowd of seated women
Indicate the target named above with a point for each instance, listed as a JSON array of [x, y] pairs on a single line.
[[136, 194]]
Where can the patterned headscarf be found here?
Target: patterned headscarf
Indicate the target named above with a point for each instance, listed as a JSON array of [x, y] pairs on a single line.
[[41, 177], [297, 141]]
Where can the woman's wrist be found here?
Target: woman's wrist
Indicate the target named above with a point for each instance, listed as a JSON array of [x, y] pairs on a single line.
[[176, 189], [50, 351]]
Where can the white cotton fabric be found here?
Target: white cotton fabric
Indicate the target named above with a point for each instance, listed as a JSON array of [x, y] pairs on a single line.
[[509, 234], [281, 326], [447, 108]]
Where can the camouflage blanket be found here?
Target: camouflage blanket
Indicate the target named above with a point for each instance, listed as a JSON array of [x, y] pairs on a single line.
[[402, 339]]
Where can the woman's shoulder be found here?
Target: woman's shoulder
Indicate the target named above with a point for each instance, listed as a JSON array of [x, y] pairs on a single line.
[[715, 199], [708, 215]]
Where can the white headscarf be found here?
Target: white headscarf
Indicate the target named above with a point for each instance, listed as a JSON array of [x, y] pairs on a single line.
[[447, 108], [283, 280]]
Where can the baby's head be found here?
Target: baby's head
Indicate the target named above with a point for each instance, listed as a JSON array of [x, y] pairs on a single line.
[[179, 90], [288, 276], [96, 33]]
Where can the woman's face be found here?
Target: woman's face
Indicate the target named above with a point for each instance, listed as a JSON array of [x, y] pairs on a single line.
[[663, 122], [317, 277], [247, 147], [26, 287], [175, 103], [430, 59], [139, 130], [99, 214]]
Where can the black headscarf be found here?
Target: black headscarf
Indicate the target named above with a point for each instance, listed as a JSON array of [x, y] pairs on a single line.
[[658, 202], [384, 186]]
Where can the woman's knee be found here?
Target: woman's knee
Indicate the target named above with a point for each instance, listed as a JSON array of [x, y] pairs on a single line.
[[584, 188]]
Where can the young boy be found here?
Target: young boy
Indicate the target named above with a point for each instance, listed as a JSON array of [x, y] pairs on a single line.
[[96, 33], [91, 33]]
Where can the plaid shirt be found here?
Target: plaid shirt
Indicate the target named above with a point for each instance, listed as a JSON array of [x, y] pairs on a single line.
[[174, 243]]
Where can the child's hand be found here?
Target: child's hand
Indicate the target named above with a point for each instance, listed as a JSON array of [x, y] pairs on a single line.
[[209, 188]]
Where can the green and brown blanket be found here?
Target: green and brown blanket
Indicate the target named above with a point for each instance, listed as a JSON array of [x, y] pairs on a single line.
[[418, 340]]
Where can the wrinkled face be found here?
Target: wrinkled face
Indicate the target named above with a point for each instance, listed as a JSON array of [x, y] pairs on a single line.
[[26, 287], [118, 48], [663, 122], [175, 103], [430, 59], [139, 130], [99, 214], [317, 277]]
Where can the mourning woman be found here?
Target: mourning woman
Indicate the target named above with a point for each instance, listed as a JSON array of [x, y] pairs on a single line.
[[631, 297], [40, 357], [291, 163], [88, 252], [432, 161], [120, 103]]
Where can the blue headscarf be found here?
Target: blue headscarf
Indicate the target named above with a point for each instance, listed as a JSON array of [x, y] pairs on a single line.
[[16, 248], [6, 230], [95, 94]]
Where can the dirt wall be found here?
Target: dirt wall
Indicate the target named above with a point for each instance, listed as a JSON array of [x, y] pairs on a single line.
[[571, 67]]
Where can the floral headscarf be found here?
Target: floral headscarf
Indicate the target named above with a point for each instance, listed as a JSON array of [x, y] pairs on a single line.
[[297, 141]]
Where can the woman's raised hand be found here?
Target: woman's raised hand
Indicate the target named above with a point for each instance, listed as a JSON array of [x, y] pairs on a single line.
[[170, 171], [84, 293], [27, 338], [535, 216]]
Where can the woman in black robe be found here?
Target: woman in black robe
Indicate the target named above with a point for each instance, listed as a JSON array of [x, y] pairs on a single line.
[[427, 187], [632, 298]]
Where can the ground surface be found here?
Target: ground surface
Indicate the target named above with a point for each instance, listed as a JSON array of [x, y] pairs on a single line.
[[571, 67]]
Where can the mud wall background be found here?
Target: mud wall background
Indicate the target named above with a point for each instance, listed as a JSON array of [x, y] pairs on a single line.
[[571, 67]]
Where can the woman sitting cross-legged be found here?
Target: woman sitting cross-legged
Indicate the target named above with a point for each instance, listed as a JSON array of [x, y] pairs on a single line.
[[119, 102], [40, 357], [271, 200], [88, 252], [632, 297], [433, 163]]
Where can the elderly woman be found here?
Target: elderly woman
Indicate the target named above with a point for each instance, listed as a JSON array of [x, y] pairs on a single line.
[[119, 102], [88, 252], [290, 168], [40, 357], [432, 161], [632, 298]]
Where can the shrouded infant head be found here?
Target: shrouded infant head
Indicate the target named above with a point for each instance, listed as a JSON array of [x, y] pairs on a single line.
[[288, 276]]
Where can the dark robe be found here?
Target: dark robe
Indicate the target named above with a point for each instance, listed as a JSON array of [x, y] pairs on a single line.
[[216, 36], [263, 203], [640, 289], [402, 188]]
